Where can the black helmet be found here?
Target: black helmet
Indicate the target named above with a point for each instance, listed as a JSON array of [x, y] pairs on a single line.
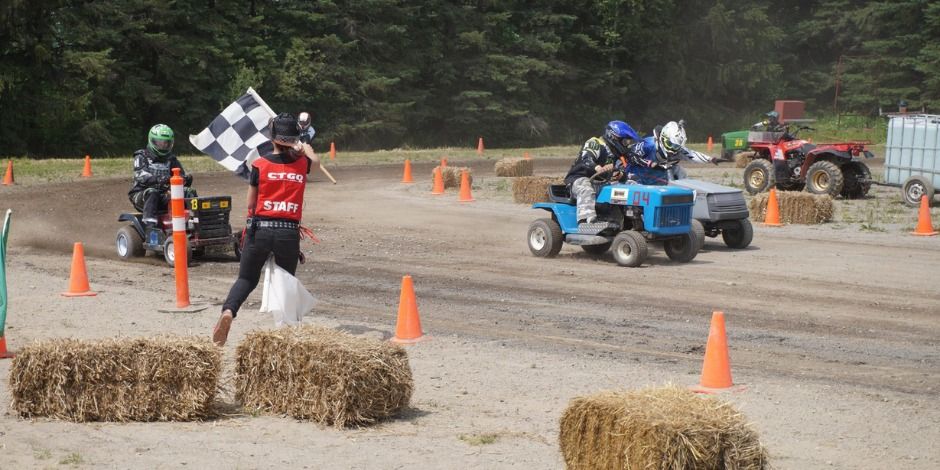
[[284, 129]]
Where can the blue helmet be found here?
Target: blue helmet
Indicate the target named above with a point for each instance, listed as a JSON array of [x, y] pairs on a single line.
[[619, 134]]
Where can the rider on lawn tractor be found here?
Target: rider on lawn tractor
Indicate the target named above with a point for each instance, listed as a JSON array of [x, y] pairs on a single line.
[[152, 170], [653, 157], [598, 154]]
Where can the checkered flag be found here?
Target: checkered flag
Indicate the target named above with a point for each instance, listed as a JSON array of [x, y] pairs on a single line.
[[233, 138]]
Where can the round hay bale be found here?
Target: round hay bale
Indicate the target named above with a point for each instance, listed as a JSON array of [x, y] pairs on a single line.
[[530, 189], [795, 207], [665, 428], [323, 375], [514, 167], [451, 176], [741, 159], [143, 379]]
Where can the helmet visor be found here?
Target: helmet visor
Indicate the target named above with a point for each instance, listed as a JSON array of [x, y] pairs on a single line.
[[162, 146]]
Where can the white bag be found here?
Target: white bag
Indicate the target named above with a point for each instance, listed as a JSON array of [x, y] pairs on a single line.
[[284, 296]]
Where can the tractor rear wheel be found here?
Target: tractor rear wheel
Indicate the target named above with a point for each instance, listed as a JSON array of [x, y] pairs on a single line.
[[758, 176], [857, 180], [740, 236], [545, 238], [128, 243], [824, 177], [630, 248], [682, 248]]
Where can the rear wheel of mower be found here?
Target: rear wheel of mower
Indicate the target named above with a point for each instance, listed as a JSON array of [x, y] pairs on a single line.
[[128, 243], [682, 248], [699, 231], [740, 236], [545, 238], [170, 256], [854, 173], [630, 248], [824, 177], [914, 188], [758, 176], [596, 250]]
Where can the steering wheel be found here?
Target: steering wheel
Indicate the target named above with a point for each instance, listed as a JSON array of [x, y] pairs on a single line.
[[604, 176]]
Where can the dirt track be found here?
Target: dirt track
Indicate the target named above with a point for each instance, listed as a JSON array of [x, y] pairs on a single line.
[[834, 332]]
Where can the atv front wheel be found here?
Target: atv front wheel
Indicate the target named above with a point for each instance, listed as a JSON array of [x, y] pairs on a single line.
[[758, 176], [170, 256], [545, 238], [630, 248], [682, 248], [128, 243], [824, 177], [740, 236]]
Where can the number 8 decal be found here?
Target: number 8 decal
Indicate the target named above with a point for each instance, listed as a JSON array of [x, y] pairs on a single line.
[[194, 203]]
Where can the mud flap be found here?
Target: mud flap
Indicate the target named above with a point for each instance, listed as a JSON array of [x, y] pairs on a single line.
[[781, 171]]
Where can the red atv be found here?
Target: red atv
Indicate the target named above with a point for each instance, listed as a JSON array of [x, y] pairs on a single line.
[[792, 164]]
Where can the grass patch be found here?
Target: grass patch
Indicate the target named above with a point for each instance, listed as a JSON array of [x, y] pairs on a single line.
[[72, 459], [480, 439], [42, 454]]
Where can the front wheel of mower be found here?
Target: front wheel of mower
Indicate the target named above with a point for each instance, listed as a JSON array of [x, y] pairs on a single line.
[[682, 248], [699, 231], [740, 236], [128, 243], [824, 177], [758, 176], [630, 248], [170, 256], [545, 238]]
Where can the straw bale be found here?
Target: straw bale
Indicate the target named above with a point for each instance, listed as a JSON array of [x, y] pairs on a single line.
[[741, 159], [323, 375], [451, 176], [658, 429], [514, 167], [795, 207], [120, 379], [529, 189]]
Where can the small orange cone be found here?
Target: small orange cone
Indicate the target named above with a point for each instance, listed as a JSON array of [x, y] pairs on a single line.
[[711, 144], [86, 172], [332, 150], [4, 354], [438, 182], [773, 210], [443, 162], [407, 176], [480, 146], [465, 195], [924, 226], [526, 156], [716, 369], [78, 281], [408, 328], [8, 177]]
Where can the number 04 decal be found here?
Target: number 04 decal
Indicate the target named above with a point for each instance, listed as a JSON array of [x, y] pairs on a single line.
[[639, 196]]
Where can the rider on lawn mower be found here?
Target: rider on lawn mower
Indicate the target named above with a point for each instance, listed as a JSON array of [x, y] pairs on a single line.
[[652, 159], [152, 170], [598, 154]]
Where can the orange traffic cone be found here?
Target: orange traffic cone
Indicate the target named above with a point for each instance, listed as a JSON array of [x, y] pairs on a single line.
[[332, 150], [711, 144], [407, 176], [924, 226], [8, 177], [526, 156], [86, 172], [443, 162], [480, 146], [773, 210], [4, 354], [716, 369], [408, 328], [438, 182], [465, 195], [78, 281]]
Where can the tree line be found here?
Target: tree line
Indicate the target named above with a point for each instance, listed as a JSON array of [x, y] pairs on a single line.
[[91, 76]]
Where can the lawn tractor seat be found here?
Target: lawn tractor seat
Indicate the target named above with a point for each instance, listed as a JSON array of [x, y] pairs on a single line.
[[561, 194]]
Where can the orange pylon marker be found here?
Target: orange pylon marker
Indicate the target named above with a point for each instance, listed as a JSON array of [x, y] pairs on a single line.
[[408, 327], [4, 354], [443, 162], [8, 176], [438, 187], [78, 281], [526, 156], [406, 178], [924, 226], [86, 172], [711, 144], [480, 146], [716, 369], [465, 195], [773, 210], [332, 150]]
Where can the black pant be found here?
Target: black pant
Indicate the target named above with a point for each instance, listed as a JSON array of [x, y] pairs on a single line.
[[150, 201], [284, 243]]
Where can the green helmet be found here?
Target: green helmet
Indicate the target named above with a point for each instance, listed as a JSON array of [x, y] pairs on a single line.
[[160, 140]]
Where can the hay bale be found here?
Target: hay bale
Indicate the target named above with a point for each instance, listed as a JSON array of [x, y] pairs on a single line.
[[741, 159], [143, 379], [664, 428], [529, 189], [795, 207], [451, 176], [514, 167], [323, 375]]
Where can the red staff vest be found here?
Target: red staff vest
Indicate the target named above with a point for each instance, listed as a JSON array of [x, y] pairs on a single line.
[[281, 188]]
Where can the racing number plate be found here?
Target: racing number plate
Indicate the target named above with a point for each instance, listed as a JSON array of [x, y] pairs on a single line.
[[619, 195]]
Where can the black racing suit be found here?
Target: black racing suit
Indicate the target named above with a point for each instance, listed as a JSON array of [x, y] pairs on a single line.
[[149, 193]]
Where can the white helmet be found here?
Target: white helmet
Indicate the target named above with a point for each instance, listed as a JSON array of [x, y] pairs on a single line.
[[671, 139], [304, 120]]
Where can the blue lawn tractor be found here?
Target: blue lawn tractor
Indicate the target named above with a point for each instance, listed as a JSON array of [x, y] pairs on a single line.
[[629, 216]]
